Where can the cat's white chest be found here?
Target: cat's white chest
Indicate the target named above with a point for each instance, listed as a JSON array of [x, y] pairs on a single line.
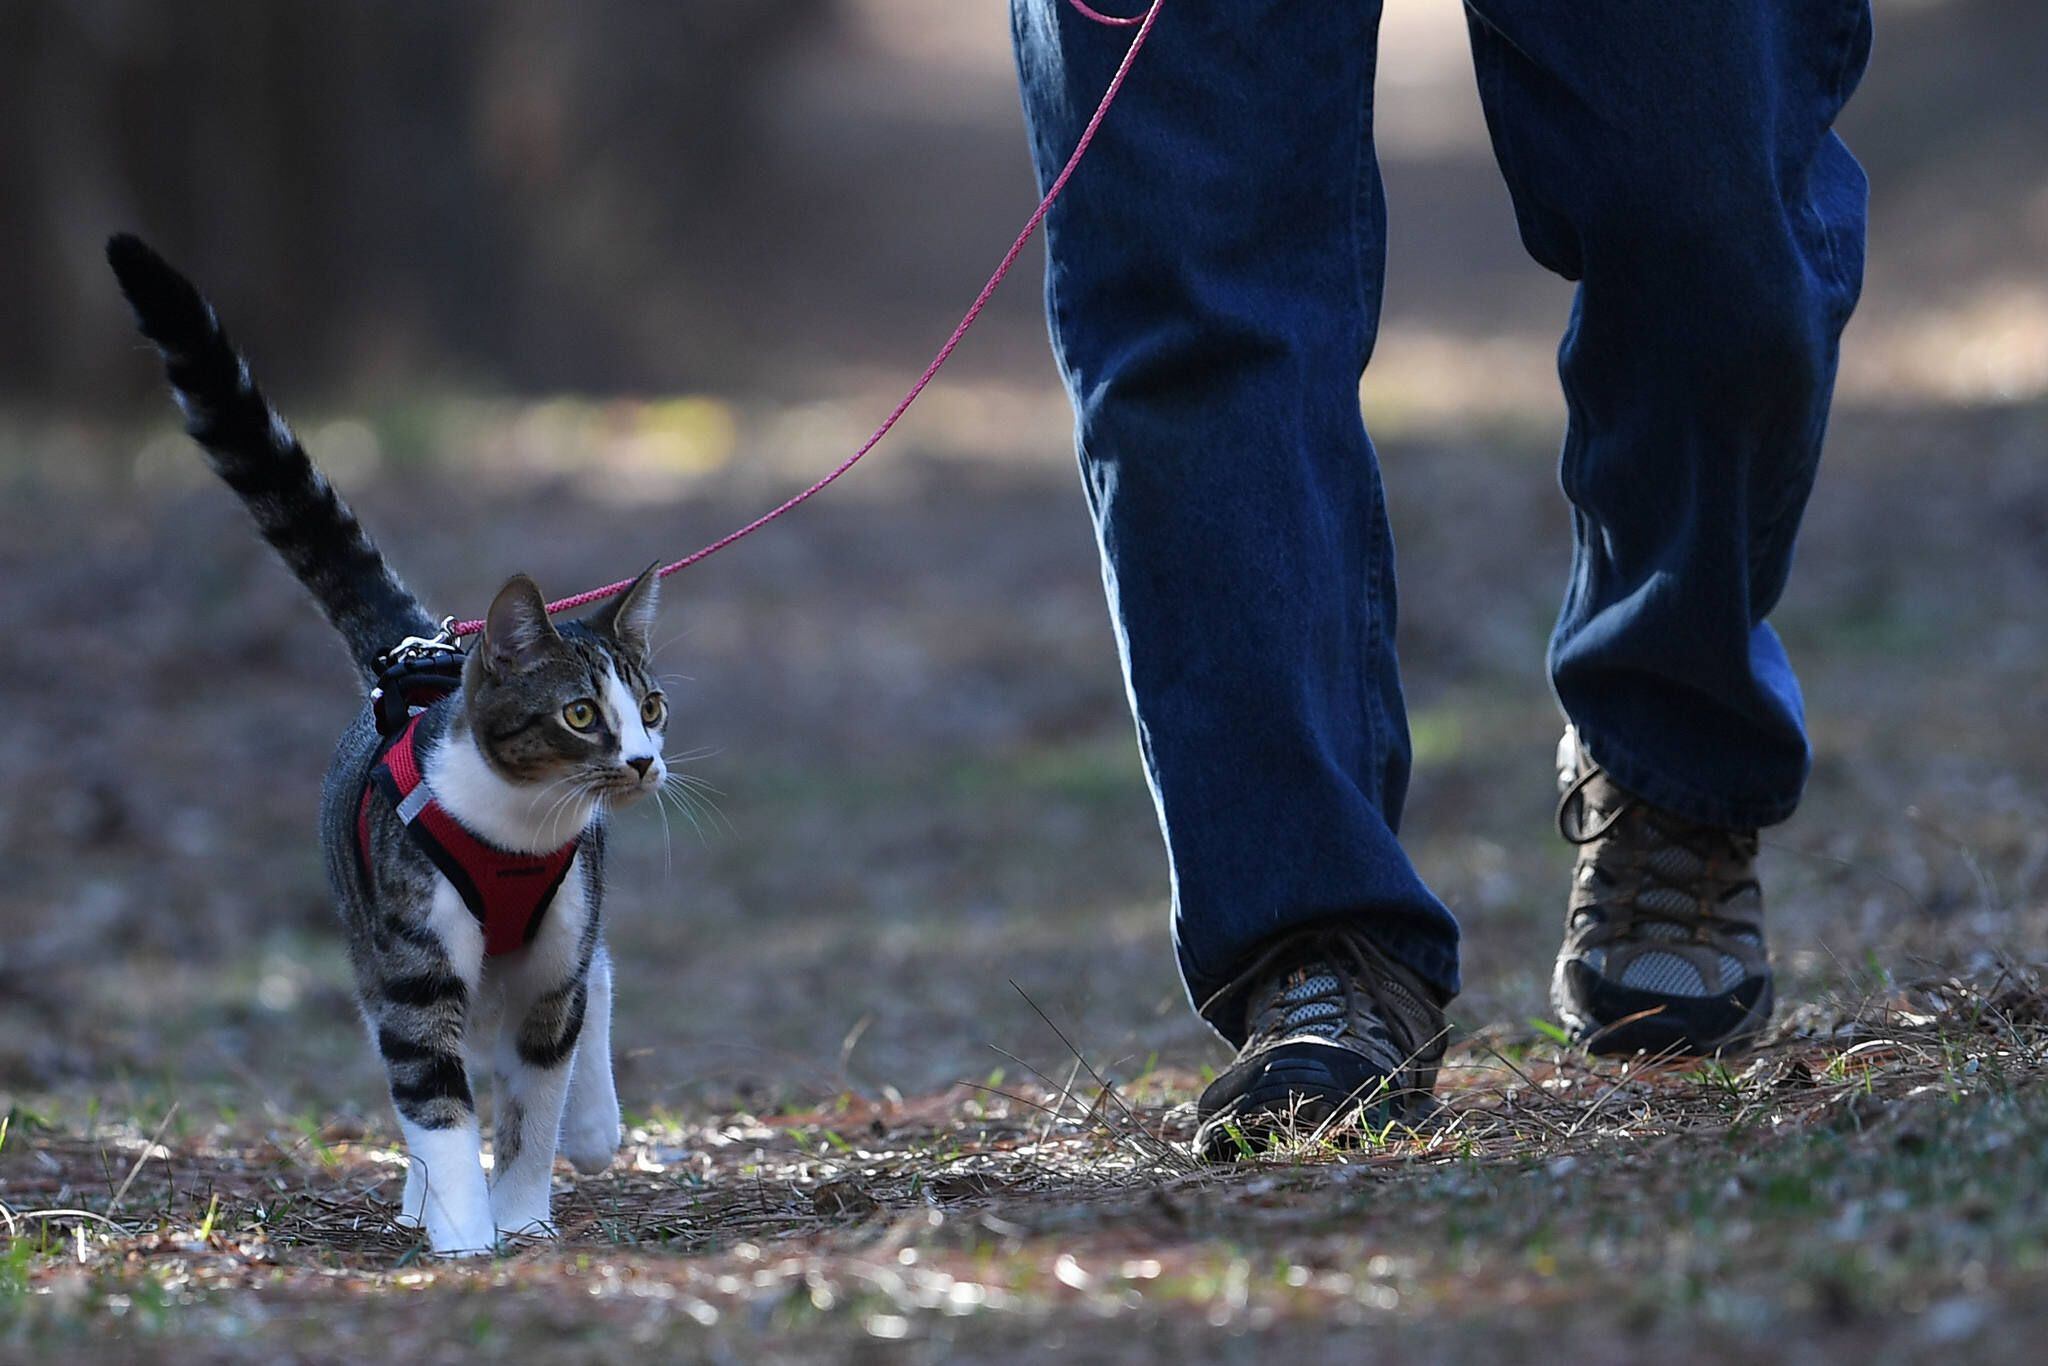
[[550, 959], [555, 954], [510, 981]]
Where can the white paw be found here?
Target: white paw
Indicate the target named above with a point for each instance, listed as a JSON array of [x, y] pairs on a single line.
[[530, 1229], [590, 1158], [477, 1241], [590, 1147], [458, 1253], [522, 1214], [465, 1230]]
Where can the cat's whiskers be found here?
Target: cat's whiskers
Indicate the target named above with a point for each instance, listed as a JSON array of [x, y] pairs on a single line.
[[668, 864], [691, 791], [546, 826], [693, 797], [689, 815], [544, 791], [584, 786], [579, 786], [701, 791]]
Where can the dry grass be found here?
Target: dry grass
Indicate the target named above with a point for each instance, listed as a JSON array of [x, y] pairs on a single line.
[[931, 790], [1026, 1204]]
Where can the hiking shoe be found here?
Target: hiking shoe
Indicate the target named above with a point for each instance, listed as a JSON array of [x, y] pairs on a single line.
[[1333, 1027], [1664, 941]]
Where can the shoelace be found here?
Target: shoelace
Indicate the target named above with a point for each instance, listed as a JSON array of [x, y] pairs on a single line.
[[1710, 848], [1316, 1002], [1339, 974]]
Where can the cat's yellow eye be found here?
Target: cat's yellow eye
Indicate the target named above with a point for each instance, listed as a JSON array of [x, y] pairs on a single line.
[[580, 715], [651, 709]]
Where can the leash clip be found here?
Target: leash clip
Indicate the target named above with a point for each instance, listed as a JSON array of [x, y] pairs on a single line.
[[420, 649], [413, 675]]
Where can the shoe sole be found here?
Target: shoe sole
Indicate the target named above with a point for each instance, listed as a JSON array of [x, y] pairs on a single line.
[[1296, 1092], [1657, 1036]]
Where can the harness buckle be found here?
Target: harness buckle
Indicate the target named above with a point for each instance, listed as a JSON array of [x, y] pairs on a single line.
[[414, 674], [416, 648]]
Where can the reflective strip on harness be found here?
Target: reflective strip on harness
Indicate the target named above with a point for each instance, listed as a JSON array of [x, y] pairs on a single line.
[[508, 893]]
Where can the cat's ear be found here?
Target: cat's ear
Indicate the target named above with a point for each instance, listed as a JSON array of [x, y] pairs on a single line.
[[629, 617], [517, 632]]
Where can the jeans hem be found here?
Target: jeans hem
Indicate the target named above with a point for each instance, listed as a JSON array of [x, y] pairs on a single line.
[[1661, 790]]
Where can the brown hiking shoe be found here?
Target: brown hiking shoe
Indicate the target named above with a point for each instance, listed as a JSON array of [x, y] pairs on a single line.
[[1334, 1029], [1664, 944]]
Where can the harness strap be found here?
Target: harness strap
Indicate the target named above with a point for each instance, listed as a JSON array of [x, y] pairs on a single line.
[[508, 893]]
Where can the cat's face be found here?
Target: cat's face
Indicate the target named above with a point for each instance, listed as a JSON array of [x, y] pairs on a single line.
[[572, 711]]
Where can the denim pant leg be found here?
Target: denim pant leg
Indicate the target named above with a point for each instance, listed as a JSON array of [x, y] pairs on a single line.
[[1677, 161], [1213, 289]]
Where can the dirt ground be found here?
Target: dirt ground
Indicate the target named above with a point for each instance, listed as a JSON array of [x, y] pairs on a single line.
[[856, 1129], [929, 794]]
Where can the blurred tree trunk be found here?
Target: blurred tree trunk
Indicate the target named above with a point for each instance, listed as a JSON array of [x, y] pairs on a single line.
[[380, 191]]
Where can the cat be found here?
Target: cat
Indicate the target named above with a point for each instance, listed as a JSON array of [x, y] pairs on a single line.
[[549, 726]]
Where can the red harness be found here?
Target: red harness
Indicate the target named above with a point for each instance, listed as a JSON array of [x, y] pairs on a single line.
[[508, 893]]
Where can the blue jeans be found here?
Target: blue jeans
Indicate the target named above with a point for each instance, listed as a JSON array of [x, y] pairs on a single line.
[[1213, 292]]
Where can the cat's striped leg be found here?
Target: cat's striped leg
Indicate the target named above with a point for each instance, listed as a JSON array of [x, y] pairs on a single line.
[[590, 1123], [419, 1016], [535, 1047]]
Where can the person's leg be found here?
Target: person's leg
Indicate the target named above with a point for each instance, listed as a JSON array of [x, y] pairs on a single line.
[[1678, 161], [1213, 289]]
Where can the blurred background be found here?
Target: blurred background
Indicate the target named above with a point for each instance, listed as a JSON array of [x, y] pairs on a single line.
[[567, 288]]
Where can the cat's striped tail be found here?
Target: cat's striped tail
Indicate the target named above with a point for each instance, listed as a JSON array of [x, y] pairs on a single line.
[[253, 449]]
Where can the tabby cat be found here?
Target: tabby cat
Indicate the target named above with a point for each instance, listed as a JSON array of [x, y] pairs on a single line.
[[505, 780]]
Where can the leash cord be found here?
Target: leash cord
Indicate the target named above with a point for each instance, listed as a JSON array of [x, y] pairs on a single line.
[[1144, 23]]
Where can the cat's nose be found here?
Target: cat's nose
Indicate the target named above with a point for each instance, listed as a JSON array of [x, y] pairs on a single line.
[[640, 766]]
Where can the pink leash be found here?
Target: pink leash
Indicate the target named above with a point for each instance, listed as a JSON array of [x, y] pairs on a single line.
[[1144, 24]]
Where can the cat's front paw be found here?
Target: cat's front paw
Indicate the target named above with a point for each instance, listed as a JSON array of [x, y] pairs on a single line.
[[457, 1227], [530, 1230], [522, 1213], [456, 1254], [472, 1240]]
